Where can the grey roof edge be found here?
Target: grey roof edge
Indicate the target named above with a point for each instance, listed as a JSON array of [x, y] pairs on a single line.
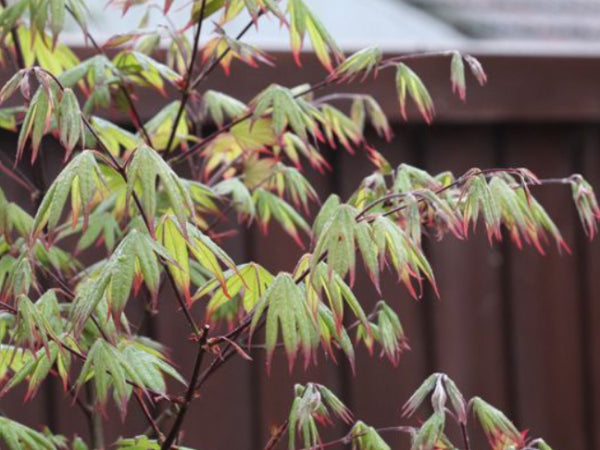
[[499, 47]]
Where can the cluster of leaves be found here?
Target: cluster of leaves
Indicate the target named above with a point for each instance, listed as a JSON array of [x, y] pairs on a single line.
[[17, 436], [314, 404], [499, 430], [68, 319], [446, 203]]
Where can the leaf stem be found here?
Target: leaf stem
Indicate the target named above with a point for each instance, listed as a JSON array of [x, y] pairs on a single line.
[[465, 435], [18, 177], [8, 307], [338, 96]]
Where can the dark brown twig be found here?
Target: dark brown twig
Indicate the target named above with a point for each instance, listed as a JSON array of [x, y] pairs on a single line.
[[189, 396], [349, 437], [186, 93], [167, 413], [19, 178], [277, 435], [149, 418]]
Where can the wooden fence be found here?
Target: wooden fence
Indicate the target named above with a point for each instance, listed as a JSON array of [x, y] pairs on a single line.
[[519, 329]]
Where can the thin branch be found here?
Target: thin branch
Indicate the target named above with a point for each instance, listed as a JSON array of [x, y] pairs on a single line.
[[132, 108], [16, 42], [153, 425], [205, 73], [277, 435], [18, 178], [168, 412], [392, 62], [8, 307], [136, 115], [181, 301], [459, 181], [189, 396], [202, 77], [348, 438], [85, 408], [229, 351], [185, 96], [205, 141]]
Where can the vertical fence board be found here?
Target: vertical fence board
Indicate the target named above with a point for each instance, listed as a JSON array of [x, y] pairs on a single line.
[[543, 298], [467, 318], [220, 418], [589, 165], [378, 389], [278, 252]]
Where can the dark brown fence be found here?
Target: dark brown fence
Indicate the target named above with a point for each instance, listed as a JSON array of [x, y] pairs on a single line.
[[517, 328]]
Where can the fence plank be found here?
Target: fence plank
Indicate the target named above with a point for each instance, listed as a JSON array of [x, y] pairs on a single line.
[[589, 166], [224, 403], [378, 389], [278, 252], [542, 293], [469, 344]]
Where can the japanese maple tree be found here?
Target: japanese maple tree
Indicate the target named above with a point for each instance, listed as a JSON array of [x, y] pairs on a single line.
[[125, 192]]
